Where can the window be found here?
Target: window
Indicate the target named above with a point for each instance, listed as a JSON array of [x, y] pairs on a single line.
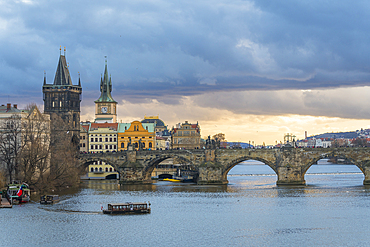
[[114, 139], [92, 147], [125, 127], [110, 139], [100, 140], [100, 146], [122, 145], [143, 144], [110, 169], [150, 144], [92, 169], [106, 169], [83, 137], [96, 139], [100, 169], [83, 144], [92, 139], [110, 146], [136, 145], [114, 147], [106, 146], [106, 139], [96, 169]]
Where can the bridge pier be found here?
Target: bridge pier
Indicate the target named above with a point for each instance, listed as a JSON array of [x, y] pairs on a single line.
[[211, 173], [366, 171], [288, 175]]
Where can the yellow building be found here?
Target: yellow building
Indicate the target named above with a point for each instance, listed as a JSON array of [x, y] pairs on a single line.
[[135, 133], [102, 138]]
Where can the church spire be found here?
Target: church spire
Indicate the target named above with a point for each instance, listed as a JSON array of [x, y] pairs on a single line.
[[105, 86]]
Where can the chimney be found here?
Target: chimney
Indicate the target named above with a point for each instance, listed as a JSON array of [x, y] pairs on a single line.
[[8, 106], [15, 106]]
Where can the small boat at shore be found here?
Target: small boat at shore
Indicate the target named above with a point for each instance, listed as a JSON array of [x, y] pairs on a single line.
[[172, 179], [49, 199], [128, 208], [18, 192]]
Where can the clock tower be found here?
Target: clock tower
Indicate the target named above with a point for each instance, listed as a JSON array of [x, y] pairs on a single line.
[[105, 106]]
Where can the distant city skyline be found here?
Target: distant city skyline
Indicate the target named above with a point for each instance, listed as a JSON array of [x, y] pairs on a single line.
[[253, 70]]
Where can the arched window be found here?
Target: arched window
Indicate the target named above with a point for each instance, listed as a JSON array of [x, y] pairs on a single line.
[[150, 145], [110, 169], [92, 169], [106, 169], [122, 145], [96, 169], [100, 169]]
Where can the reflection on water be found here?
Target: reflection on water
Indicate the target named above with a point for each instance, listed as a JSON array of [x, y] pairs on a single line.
[[332, 210]]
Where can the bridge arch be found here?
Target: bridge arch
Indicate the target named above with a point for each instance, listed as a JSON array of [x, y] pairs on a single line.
[[86, 162], [326, 156], [235, 162], [151, 164]]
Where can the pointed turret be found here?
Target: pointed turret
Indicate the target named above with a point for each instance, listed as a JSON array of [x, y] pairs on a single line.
[[79, 79]]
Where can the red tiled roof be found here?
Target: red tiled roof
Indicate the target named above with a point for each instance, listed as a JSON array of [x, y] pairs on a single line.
[[104, 125]]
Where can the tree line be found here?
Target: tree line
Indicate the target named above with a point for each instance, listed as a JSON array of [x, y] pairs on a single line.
[[38, 151]]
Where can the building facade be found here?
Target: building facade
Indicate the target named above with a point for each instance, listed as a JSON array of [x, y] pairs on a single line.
[[105, 106], [62, 99], [102, 137], [138, 135], [29, 130], [84, 137], [186, 136]]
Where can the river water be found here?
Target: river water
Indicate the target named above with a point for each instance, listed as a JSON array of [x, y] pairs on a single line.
[[332, 210]]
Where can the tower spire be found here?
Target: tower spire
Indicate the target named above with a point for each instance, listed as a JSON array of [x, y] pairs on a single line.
[[105, 86]]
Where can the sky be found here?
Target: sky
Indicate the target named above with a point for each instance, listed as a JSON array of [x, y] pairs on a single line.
[[253, 70]]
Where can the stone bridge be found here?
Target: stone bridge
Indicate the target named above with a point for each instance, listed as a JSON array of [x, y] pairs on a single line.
[[290, 164]]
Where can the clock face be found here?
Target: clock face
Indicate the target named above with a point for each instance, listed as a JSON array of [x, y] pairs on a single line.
[[104, 109]]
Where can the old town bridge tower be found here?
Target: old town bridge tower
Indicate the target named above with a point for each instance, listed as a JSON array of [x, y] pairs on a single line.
[[62, 99]]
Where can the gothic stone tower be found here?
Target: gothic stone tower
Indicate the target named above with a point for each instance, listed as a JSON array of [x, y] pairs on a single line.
[[62, 98], [105, 106]]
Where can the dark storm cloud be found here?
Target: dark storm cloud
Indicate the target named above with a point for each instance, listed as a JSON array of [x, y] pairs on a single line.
[[166, 49]]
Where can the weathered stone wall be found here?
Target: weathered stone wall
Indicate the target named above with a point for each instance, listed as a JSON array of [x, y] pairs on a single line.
[[290, 164]]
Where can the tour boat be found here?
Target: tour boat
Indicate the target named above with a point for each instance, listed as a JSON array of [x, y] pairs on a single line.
[[18, 192], [49, 199], [128, 208], [172, 179]]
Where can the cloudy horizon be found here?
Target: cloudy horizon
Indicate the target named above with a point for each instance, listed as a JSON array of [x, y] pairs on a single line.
[[253, 70]]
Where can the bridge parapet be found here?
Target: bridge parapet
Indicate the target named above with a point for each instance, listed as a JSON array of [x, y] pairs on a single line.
[[290, 164]]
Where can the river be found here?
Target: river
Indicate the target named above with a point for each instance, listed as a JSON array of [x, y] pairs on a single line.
[[332, 210]]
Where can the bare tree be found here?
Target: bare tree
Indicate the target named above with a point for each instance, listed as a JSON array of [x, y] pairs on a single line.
[[10, 145], [35, 153], [64, 165]]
